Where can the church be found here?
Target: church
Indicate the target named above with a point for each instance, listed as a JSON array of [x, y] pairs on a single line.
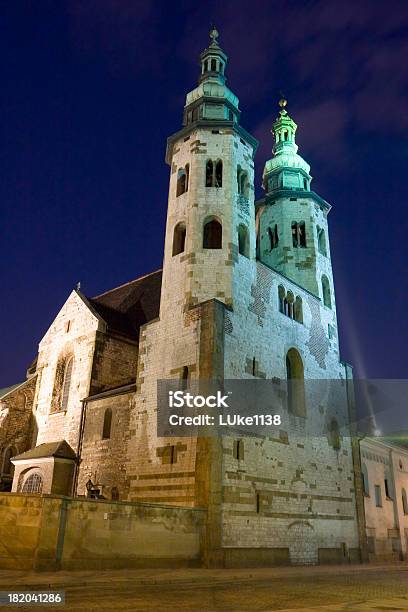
[[246, 292]]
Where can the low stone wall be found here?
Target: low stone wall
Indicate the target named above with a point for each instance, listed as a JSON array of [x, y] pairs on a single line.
[[49, 532]]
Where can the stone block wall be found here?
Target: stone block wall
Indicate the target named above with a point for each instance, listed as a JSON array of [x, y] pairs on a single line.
[[104, 461], [46, 532]]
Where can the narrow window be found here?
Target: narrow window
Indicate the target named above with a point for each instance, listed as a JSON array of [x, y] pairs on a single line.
[[302, 234], [184, 378], [107, 424], [8, 467], [67, 326], [289, 304], [212, 235], [285, 135], [218, 174], [281, 296], [213, 65], [295, 383], [181, 182], [299, 310], [334, 435], [238, 450], [326, 291], [115, 494], [321, 241], [388, 490], [377, 492], [179, 238], [187, 171], [239, 185], [404, 501], [67, 383], [294, 234], [273, 237], [172, 454], [253, 366], [258, 503], [364, 476], [209, 171], [243, 241], [305, 184]]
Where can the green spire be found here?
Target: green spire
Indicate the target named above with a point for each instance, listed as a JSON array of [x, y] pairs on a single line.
[[211, 100], [286, 169], [284, 130], [213, 60]]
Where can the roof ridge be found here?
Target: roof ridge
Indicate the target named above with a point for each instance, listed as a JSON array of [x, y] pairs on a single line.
[[126, 284]]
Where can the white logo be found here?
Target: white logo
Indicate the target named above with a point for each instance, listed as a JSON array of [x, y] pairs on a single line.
[[179, 399]]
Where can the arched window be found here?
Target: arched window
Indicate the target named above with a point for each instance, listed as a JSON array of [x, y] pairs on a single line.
[[181, 182], [289, 304], [8, 467], [209, 171], [238, 450], [326, 291], [218, 174], [285, 135], [299, 234], [33, 484], [242, 182], [299, 309], [212, 235], [273, 236], [281, 296], [295, 234], [213, 65], [321, 241], [404, 501], [66, 386], [295, 382], [184, 377], [107, 424], [334, 435], [179, 238], [243, 241], [364, 476]]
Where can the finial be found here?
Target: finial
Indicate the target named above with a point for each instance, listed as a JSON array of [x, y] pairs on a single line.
[[78, 287], [214, 35], [282, 102]]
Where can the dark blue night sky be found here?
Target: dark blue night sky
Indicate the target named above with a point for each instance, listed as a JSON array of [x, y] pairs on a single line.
[[92, 88]]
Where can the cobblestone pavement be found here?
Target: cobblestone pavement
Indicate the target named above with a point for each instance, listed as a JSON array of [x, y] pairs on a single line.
[[324, 589]]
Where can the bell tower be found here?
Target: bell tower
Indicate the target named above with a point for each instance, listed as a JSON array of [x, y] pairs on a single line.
[[210, 217], [292, 219]]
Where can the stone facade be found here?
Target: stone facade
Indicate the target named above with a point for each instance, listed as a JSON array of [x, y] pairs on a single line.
[[385, 475], [17, 426], [247, 293]]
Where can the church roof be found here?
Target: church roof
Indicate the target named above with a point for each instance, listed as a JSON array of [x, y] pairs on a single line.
[[127, 307], [60, 449], [7, 390]]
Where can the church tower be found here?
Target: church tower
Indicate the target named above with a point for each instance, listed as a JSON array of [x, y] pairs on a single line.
[[210, 217], [293, 234]]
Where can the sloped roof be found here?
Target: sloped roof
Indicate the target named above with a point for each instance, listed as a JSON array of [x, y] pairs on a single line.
[[60, 449], [127, 307], [6, 390]]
